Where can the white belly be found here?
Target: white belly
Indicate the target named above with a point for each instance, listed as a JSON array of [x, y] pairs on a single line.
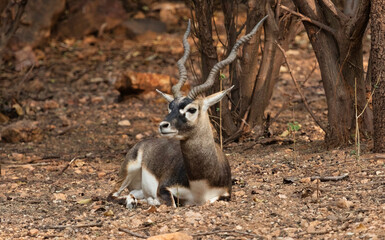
[[199, 192]]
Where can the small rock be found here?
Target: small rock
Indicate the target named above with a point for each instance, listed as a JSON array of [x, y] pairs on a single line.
[[191, 217], [124, 123], [21, 131], [17, 156], [139, 136], [344, 203], [171, 236], [312, 226], [305, 180], [97, 99], [282, 196], [60, 196], [239, 193], [164, 229], [101, 174], [96, 80], [51, 104], [33, 232]]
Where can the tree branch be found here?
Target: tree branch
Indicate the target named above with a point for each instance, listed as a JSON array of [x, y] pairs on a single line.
[[132, 233], [335, 11], [357, 24], [312, 21], [299, 90]]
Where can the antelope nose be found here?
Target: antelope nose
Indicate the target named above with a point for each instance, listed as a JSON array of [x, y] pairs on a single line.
[[164, 125]]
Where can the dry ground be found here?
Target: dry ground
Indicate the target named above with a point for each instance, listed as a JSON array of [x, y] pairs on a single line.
[[71, 97]]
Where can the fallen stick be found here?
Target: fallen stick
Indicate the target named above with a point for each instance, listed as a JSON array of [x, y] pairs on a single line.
[[67, 165], [290, 180], [132, 233], [330, 178], [73, 226]]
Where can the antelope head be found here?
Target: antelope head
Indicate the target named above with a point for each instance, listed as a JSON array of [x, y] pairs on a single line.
[[188, 114]]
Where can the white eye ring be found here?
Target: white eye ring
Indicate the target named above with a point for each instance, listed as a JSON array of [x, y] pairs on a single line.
[[192, 110]]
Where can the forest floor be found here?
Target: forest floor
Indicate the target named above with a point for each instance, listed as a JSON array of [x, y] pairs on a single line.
[[71, 97]]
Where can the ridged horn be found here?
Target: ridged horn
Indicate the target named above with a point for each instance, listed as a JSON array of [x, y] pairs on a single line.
[[182, 69], [218, 66]]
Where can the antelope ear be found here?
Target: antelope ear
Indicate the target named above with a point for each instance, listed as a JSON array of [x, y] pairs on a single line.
[[168, 97], [214, 98]]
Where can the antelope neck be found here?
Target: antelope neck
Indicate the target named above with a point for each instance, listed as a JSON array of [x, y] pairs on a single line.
[[200, 154]]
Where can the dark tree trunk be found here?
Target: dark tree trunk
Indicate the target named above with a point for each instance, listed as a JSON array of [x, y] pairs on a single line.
[[250, 57], [280, 30], [253, 76], [339, 54], [377, 64]]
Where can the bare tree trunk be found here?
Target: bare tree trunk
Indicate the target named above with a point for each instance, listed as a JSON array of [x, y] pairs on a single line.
[[377, 64], [280, 30], [339, 54], [250, 57]]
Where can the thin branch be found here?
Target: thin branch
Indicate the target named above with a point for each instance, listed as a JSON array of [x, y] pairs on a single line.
[[290, 180], [330, 178], [73, 226], [299, 89], [216, 31], [309, 20], [370, 97], [132, 233], [335, 11], [311, 72], [67, 165]]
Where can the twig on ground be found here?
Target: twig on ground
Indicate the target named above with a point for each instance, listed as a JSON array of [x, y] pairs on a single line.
[[289, 180], [299, 90], [73, 226], [330, 178], [67, 165], [225, 231], [132, 233]]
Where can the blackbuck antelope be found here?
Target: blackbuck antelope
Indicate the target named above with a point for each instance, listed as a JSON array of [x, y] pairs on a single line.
[[186, 166]]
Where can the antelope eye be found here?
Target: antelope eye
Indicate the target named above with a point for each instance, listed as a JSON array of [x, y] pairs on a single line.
[[192, 110]]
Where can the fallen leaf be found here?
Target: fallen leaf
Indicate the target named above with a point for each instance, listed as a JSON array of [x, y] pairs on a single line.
[[151, 209], [124, 123], [109, 213], [84, 201], [285, 133]]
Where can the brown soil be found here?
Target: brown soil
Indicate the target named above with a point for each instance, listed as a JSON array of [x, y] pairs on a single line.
[[71, 96]]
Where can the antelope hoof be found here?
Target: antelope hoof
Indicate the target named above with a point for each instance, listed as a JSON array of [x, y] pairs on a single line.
[[131, 202], [153, 201]]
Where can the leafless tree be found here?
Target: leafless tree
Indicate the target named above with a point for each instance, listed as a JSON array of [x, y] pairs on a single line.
[[255, 73], [11, 12], [377, 70], [336, 37]]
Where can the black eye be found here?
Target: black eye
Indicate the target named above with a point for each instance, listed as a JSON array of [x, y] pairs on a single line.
[[192, 110]]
